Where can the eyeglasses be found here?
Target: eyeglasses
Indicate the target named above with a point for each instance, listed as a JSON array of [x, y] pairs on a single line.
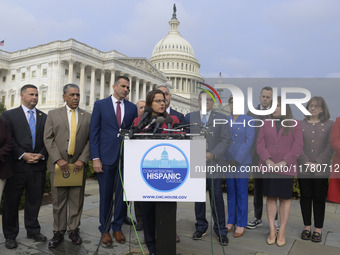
[[314, 106], [159, 101]]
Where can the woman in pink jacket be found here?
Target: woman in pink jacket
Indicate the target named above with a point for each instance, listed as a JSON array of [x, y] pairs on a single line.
[[279, 144]]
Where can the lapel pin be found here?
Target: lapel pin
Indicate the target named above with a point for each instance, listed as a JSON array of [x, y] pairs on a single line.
[[82, 113], [40, 114]]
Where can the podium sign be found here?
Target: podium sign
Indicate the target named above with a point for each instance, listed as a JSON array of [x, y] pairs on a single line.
[[162, 170]]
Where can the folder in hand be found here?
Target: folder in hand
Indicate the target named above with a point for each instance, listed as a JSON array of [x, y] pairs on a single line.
[[62, 179]]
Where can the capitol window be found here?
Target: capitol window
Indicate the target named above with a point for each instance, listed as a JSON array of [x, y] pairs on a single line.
[[182, 66], [177, 65], [13, 77], [43, 97], [66, 71], [168, 65], [12, 100], [33, 74], [23, 75], [44, 72], [78, 75], [3, 100], [4, 79]]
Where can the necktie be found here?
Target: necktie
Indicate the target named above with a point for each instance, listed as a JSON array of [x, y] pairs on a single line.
[[204, 120], [31, 123], [119, 114], [73, 133]]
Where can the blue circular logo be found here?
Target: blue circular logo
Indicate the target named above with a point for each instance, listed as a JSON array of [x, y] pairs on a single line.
[[164, 167]]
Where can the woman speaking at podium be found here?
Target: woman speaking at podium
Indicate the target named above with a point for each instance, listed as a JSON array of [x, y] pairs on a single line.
[[154, 109]]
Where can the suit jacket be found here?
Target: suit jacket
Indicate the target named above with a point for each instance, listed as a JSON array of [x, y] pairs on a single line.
[[242, 139], [180, 116], [22, 138], [57, 133], [219, 140], [5, 149], [335, 143], [278, 147], [104, 142]]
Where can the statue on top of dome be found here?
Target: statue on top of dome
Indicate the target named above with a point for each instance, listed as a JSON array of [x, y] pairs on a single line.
[[174, 14]]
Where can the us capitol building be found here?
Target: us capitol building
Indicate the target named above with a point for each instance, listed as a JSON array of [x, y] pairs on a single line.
[[50, 66]]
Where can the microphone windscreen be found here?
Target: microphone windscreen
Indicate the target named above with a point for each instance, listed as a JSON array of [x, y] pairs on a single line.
[[160, 120], [168, 120]]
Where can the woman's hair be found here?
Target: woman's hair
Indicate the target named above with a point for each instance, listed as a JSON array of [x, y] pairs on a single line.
[[324, 115], [288, 116], [149, 99]]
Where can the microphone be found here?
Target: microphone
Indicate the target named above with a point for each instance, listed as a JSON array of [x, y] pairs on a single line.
[[168, 122], [159, 122], [141, 123], [153, 120]]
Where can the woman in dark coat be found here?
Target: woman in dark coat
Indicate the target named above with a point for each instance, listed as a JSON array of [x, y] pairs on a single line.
[[5, 151], [313, 174]]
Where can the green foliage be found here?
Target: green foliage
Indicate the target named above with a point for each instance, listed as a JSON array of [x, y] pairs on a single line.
[[91, 173], [296, 189], [2, 108]]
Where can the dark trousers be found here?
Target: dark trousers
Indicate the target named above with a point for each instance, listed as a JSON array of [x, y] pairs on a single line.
[[109, 183], [215, 192], [138, 211], [313, 193], [149, 224], [33, 183], [258, 197]]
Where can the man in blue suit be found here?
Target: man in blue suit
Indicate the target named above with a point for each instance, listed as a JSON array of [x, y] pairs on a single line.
[[108, 116], [218, 141]]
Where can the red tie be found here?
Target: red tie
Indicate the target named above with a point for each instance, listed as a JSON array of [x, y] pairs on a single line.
[[119, 114]]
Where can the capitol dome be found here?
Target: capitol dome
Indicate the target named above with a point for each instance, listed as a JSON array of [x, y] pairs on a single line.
[[175, 57]]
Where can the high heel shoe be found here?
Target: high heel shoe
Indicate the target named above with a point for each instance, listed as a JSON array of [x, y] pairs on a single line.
[[280, 243], [271, 241]]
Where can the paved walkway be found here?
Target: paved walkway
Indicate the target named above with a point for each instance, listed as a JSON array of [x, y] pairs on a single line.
[[253, 242]]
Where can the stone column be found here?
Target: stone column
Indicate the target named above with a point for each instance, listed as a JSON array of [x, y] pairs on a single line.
[[144, 90], [130, 93], [92, 87], [137, 91], [102, 84], [70, 70], [82, 85], [112, 80], [181, 85]]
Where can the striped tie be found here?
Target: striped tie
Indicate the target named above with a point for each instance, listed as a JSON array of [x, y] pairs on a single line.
[[73, 133], [31, 123]]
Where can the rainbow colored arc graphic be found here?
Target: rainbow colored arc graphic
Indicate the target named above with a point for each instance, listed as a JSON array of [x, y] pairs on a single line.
[[209, 93]]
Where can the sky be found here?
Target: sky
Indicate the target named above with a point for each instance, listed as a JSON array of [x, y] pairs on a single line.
[[239, 38]]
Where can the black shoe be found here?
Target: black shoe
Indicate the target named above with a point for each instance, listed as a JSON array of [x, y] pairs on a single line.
[[128, 221], [139, 226], [11, 244], [75, 237], [223, 240], [306, 235], [37, 237], [316, 237], [198, 235], [56, 240]]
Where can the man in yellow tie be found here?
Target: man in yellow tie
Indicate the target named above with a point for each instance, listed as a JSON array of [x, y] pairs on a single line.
[[66, 139]]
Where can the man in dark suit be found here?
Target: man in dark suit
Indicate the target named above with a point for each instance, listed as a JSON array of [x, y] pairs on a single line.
[[29, 168], [66, 139], [218, 141], [169, 110], [108, 116]]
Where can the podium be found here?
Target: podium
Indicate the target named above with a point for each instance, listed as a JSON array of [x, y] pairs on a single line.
[[165, 171]]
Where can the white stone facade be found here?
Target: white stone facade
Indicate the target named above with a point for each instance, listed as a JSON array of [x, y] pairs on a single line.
[[51, 66]]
